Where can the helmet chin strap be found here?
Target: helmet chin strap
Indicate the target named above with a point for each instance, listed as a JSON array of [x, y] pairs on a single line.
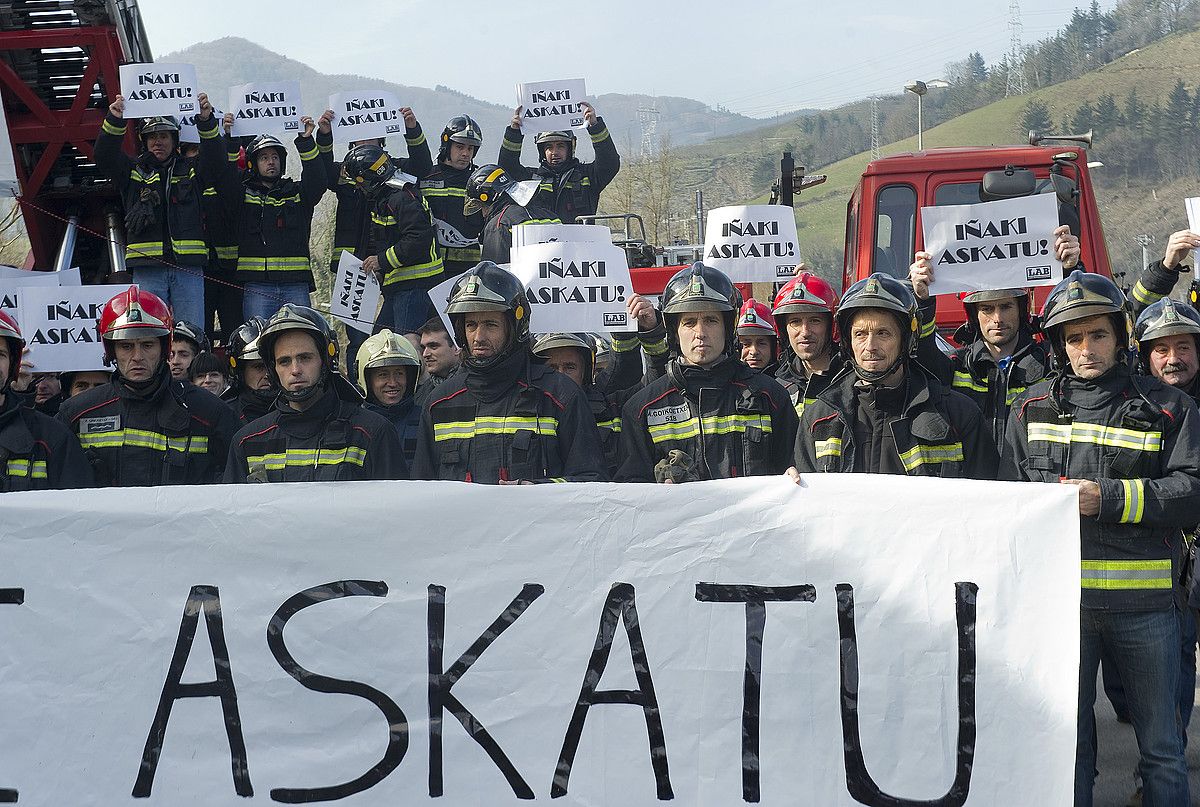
[[874, 377], [299, 396]]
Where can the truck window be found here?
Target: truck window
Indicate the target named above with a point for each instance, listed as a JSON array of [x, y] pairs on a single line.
[[967, 193], [895, 217], [851, 252]]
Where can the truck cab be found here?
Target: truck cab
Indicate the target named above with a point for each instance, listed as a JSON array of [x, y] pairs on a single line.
[[883, 217]]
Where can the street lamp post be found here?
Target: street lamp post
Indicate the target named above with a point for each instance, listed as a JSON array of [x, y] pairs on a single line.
[[919, 88]]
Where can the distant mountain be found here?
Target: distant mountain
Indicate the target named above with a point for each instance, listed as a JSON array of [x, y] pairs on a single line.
[[231, 61]]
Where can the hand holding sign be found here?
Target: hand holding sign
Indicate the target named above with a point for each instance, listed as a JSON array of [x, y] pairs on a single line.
[[1179, 247], [355, 296]]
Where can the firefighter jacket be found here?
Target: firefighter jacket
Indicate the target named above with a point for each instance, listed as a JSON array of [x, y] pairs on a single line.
[[335, 439], [249, 405], [516, 420], [802, 387], [274, 221], [400, 235], [405, 417], [37, 452], [730, 420], [352, 206], [1155, 283], [498, 223], [572, 188], [162, 201], [1139, 439], [170, 433], [919, 428], [992, 385], [458, 234]]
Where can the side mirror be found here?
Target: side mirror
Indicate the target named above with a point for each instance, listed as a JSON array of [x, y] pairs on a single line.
[[1010, 183]]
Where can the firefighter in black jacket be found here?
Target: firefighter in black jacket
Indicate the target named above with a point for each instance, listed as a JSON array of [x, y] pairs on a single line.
[[803, 312], [398, 241], [389, 370], [36, 451], [255, 395], [884, 414], [710, 416], [318, 430], [503, 418], [505, 204], [1130, 445], [566, 186], [144, 428], [161, 193], [273, 214], [445, 189], [1159, 278]]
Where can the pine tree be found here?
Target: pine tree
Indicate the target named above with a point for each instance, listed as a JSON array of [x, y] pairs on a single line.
[[1083, 119], [1108, 114], [1035, 117]]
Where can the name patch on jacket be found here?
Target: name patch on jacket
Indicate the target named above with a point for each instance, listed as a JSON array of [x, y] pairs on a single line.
[[101, 424], [668, 414], [433, 183]]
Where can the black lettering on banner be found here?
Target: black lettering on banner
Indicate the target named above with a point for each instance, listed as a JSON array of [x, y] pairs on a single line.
[[397, 721], [756, 599], [441, 681], [208, 600], [10, 596], [619, 604], [858, 780]]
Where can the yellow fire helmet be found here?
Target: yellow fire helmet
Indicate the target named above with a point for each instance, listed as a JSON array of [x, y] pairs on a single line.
[[387, 349]]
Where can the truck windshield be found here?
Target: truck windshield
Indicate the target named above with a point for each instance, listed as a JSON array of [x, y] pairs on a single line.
[[967, 193], [895, 217]]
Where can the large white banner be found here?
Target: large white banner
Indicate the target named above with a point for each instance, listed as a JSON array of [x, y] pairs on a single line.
[[365, 114], [993, 245], [441, 643], [266, 108], [158, 89], [752, 243], [60, 325], [551, 106], [575, 285], [355, 295]]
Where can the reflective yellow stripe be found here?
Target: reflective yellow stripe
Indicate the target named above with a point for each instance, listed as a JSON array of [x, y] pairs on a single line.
[[144, 249], [253, 264], [309, 457], [113, 130], [208, 134], [383, 221], [227, 253], [967, 381], [1113, 575], [324, 148], [271, 201], [803, 402], [415, 141], [468, 429], [1013, 392], [600, 135], [1144, 295], [716, 424], [460, 192], [510, 145], [624, 345], [401, 273], [21, 468], [191, 174], [920, 455], [1096, 435], [311, 154], [462, 254], [655, 348], [1135, 501], [140, 438], [613, 425], [829, 448], [928, 328]]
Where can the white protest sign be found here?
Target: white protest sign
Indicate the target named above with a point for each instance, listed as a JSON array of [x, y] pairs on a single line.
[[449, 236], [60, 326], [551, 106], [12, 280], [365, 114], [188, 133], [158, 89], [1193, 214], [752, 243], [993, 245], [439, 296], [355, 294], [266, 108], [711, 643], [575, 286], [524, 234]]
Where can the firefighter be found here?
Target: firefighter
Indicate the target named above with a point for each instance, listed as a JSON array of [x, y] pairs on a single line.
[[494, 192], [161, 191], [255, 396], [143, 427], [273, 214], [399, 244], [389, 371], [757, 338], [803, 312], [710, 416], [566, 186], [1160, 277], [1129, 445], [574, 355], [36, 451], [884, 413], [318, 430], [79, 381], [445, 190], [440, 357], [187, 342], [504, 419]]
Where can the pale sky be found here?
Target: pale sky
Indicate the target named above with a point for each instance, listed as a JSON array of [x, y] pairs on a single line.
[[720, 53]]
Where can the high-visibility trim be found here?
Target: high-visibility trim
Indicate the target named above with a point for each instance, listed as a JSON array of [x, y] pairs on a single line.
[[311, 154], [462, 254], [600, 135], [1013, 392], [510, 145], [829, 448], [154, 249], [613, 425], [1144, 295], [715, 424], [624, 345], [337, 253], [271, 201], [459, 192], [233, 156], [415, 141], [186, 247], [1095, 434], [226, 253], [967, 381], [191, 174], [803, 402], [546, 186], [209, 134], [383, 221], [1117, 575], [557, 479], [309, 458], [542, 221], [920, 455], [141, 438], [276, 264], [469, 429], [1135, 501], [209, 192], [324, 148], [928, 328], [657, 347], [113, 129], [23, 469], [400, 273]]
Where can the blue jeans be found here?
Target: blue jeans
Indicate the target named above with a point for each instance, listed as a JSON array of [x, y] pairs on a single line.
[[264, 299], [405, 311], [182, 289], [1144, 646]]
